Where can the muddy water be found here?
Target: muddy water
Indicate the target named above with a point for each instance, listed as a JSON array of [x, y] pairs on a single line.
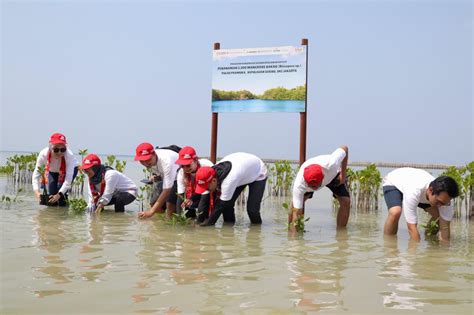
[[54, 262]]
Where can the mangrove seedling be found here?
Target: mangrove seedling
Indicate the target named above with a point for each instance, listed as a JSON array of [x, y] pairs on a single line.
[[300, 221], [432, 227], [77, 206]]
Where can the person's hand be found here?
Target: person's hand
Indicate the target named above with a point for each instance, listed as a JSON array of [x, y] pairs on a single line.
[[99, 208], [154, 178], [37, 195], [54, 198], [145, 214], [186, 203], [204, 223]]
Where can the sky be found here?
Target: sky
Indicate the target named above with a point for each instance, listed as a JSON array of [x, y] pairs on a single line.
[[390, 79]]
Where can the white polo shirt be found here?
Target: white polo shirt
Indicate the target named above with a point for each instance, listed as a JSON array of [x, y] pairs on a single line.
[[114, 182], [54, 167], [166, 166], [330, 164], [413, 183], [180, 177], [246, 168]]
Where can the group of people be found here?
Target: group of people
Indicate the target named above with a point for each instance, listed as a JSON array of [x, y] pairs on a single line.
[[184, 182]]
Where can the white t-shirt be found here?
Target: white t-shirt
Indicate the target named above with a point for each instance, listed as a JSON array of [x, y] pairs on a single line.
[[330, 164], [413, 183], [54, 167], [166, 166], [114, 182], [180, 178], [246, 168]]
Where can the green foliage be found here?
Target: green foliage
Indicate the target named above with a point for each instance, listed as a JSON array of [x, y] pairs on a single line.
[[464, 177], [19, 168], [219, 95], [282, 94], [364, 187], [432, 227], [178, 219], [277, 94], [119, 165], [281, 176], [300, 221], [77, 206]]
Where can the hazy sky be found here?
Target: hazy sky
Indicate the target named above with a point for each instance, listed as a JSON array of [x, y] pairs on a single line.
[[391, 79]]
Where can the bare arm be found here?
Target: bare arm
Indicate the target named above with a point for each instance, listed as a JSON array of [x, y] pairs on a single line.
[[413, 231], [344, 164], [444, 230]]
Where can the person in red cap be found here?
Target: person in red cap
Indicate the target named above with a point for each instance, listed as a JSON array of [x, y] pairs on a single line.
[[224, 182], [162, 164], [190, 163], [322, 171], [107, 186], [60, 169]]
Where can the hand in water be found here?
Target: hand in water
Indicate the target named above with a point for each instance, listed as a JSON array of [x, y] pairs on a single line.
[[145, 214], [54, 198]]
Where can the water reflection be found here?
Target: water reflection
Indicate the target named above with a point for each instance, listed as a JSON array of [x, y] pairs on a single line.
[[317, 282], [51, 236]]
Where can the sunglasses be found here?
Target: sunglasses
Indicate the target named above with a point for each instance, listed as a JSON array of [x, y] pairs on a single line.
[[56, 150]]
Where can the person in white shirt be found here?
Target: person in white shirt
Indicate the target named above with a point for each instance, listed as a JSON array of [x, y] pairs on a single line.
[[190, 163], [406, 189], [60, 170], [107, 186], [322, 171], [161, 162], [224, 182]]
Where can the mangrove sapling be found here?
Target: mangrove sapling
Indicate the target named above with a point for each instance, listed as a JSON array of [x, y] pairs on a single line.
[[298, 223], [77, 206], [432, 227]]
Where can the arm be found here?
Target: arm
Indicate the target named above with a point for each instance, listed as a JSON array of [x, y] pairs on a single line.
[[218, 209], [444, 230], [70, 164], [342, 176], [111, 180], [159, 203], [413, 231], [203, 208], [36, 178]]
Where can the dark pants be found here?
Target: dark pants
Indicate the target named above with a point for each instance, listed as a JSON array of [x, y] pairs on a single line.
[[256, 190], [53, 184], [120, 200], [158, 189]]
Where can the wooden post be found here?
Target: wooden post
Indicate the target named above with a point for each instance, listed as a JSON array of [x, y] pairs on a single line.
[[304, 42], [213, 155]]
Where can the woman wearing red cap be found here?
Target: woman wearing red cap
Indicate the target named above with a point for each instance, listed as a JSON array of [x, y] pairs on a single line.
[[60, 170], [317, 172], [190, 164], [107, 186]]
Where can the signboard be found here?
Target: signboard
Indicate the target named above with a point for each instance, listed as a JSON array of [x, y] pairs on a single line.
[[259, 80]]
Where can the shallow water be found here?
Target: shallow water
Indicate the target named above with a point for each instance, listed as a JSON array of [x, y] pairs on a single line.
[[53, 262]]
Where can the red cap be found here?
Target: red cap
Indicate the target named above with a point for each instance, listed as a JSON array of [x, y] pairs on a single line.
[[90, 161], [57, 138], [186, 156], [144, 151], [313, 175], [204, 175]]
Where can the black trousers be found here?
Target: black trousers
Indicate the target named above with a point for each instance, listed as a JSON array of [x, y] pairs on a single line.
[[256, 190], [120, 200]]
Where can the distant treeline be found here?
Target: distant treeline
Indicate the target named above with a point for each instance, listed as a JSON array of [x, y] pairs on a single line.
[[276, 94]]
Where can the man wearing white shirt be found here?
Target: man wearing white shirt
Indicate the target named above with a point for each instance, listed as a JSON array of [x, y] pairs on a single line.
[[322, 171], [161, 162], [190, 163], [406, 189], [222, 184]]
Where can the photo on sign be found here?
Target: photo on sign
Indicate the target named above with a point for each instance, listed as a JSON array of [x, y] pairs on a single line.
[[259, 80]]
